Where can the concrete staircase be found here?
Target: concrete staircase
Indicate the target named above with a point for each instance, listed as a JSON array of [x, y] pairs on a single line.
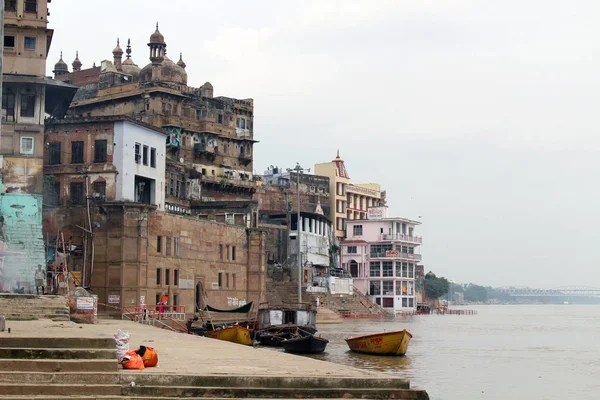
[[29, 306], [79, 368], [282, 292]]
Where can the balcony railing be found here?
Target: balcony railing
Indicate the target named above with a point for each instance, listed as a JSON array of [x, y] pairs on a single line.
[[201, 147], [394, 254], [243, 133], [403, 238]]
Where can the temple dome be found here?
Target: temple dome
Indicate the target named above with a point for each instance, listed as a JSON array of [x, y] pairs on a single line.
[[157, 37], [61, 66], [170, 72]]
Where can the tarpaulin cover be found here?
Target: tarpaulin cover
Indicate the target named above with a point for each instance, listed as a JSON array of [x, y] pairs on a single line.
[[242, 310]]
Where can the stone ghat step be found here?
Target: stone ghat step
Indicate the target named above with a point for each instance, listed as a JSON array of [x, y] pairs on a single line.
[[143, 378], [76, 397], [26, 317], [9, 366], [57, 354], [20, 389], [57, 343]]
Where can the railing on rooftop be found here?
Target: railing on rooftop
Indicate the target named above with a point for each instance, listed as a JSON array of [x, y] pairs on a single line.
[[409, 256], [403, 238]]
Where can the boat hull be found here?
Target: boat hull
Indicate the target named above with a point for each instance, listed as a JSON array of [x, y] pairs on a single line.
[[236, 334], [387, 343], [305, 345], [274, 335]]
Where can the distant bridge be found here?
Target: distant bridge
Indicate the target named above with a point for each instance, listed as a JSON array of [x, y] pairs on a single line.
[[565, 291]]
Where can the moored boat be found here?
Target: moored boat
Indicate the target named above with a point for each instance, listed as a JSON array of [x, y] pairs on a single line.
[[386, 343], [235, 333], [279, 323], [310, 344]]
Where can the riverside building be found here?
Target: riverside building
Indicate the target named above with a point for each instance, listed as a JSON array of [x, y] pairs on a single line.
[[382, 254]]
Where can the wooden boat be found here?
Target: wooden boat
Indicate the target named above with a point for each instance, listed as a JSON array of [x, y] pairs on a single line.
[[235, 333], [279, 323], [310, 344], [387, 343]]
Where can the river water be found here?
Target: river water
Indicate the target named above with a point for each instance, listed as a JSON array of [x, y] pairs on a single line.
[[529, 352]]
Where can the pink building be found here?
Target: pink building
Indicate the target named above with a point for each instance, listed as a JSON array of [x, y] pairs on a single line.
[[382, 254]]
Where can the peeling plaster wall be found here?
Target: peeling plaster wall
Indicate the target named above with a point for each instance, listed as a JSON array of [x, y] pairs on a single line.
[[21, 240]]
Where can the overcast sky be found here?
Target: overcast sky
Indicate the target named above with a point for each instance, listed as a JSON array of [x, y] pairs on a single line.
[[479, 116]]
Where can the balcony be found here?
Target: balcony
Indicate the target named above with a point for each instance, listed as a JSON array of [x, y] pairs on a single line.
[[403, 238], [243, 133], [397, 254]]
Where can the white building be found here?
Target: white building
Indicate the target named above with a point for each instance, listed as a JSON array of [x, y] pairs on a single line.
[[139, 157], [314, 240], [381, 254]]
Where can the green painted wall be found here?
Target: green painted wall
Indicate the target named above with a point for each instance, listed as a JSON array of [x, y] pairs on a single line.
[[21, 240]]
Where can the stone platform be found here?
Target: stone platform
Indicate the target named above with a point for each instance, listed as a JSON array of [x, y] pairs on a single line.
[[39, 354]]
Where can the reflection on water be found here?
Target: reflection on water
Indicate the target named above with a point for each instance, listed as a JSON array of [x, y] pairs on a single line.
[[503, 352]]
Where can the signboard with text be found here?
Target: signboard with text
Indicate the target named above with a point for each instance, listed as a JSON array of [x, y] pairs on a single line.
[[85, 303], [392, 253], [114, 299], [376, 212]]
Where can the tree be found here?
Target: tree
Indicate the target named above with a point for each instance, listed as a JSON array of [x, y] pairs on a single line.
[[435, 287], [476, 293]]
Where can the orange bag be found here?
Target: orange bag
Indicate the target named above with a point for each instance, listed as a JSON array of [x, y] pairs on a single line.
[[150, 357], [132, 360]]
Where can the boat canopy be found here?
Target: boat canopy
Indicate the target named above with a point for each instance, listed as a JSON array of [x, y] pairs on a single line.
[[240, 310]]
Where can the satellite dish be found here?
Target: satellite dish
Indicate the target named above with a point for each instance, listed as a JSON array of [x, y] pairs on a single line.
[[181, 160]]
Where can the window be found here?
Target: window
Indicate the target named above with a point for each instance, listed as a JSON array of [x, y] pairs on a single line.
[[357, 230], [351, 249], [378, 250], [9, 41], [220, 119], [176, 185], [197, 114], [375, 288], [183, 140], [204, 113], [167, 276], [76, 193], [158, 297], [388, 302], [8, 107], [404, 270], [220, 280], [175, 299], [227, 280], [138, 150], [232, 253], [388, 288], [29, 43], [176, 277], [10, 5], [404, 302], [145, 155], [31, 6], [168, 246], [54, 156], [411, 302], [388, 268], [76, 152], [411, 270], [100, 189], [227, 252], [158, 278], [100, 151], [52, 194], [27, 105], [233, 280], [375, 269], [176, 246], [26, 145], [153, 157]]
